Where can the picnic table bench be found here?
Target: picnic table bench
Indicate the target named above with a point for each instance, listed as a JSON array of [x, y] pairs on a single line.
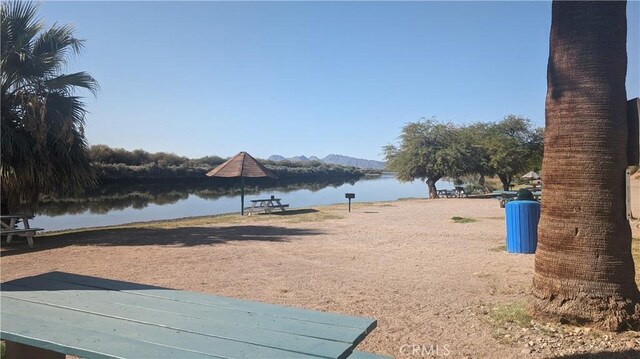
[[56, 313], [11, 229], [265, 205]]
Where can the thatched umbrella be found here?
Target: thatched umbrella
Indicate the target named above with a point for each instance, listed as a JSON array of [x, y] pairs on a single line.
[[241, 165], [531, 176]]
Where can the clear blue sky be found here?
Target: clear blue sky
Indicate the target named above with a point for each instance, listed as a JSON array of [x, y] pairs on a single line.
[[290, 78]]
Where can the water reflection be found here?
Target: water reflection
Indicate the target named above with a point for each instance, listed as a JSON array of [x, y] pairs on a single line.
[[119, 203], [121, 195]]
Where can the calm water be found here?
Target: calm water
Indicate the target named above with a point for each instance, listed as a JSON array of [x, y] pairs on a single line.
[[144, 204]]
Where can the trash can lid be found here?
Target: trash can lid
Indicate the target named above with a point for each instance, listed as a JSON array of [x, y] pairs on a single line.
[[524, 194]]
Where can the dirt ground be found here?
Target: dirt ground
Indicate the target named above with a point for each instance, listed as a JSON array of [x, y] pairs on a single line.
[[429, 281]]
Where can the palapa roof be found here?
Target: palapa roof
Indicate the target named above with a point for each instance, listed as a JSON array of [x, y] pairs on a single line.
[[241, 165], [531, 175]]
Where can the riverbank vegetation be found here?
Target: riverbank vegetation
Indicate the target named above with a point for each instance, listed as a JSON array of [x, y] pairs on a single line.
[[119, 164]]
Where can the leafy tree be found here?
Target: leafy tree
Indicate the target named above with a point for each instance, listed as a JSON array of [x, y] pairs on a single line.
[[509, 147], [480, 162], [43, 146], [429, 151]]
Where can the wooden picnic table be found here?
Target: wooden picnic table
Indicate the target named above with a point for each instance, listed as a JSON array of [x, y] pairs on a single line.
[[266, 205], [11, 229], [448, 193], [58, 313]]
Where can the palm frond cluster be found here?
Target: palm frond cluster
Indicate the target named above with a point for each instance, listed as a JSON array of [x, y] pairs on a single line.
[[42, 135]]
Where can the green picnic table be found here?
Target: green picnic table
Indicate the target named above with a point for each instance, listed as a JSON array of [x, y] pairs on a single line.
[[58, 313]]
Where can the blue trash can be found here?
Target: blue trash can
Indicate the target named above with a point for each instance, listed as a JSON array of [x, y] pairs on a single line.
[[522, 225]]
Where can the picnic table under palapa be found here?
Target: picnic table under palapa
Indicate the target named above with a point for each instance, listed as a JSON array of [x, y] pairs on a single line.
[[56, 313], [266, 205]]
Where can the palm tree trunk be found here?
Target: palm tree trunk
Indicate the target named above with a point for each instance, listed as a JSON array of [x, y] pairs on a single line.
[[584, 271]]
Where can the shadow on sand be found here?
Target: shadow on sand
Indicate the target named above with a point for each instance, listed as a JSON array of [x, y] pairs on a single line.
[[54, 281], [183, 236], [627, 354]]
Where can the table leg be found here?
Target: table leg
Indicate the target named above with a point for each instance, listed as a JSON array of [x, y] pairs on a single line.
[[17, 351], [29, 234], [12, 225]]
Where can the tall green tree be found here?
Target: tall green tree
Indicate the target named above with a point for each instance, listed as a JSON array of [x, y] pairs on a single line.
[[513, 146], [43, 146], [584, 271], [479, 163], [429, 151]]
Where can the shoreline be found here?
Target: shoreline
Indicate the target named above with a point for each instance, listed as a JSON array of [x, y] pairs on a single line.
[[215, 218]]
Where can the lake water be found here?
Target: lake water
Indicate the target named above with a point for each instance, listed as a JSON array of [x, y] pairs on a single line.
[[134, 205]]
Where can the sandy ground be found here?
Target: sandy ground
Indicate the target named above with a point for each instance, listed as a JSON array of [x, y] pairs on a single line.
[[424, 278]]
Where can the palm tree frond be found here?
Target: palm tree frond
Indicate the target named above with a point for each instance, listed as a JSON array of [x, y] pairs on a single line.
[[19, 28], [57, 40], [68, 82]]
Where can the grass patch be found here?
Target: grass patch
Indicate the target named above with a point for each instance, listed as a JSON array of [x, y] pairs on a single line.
[[319, 216], [3, 351], [385, 205], [457, 219], [505, 319], [344, 206], [511, 313], [235, 218], [501, 248]]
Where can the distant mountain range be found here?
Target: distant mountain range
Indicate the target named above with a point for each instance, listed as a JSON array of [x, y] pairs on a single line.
[[334, 159]]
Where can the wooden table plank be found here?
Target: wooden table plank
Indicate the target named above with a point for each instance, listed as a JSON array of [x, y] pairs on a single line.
[[76, 341], [145, 309], [224, 330], [143, 333], [193, 322], [19, 216], [224, 302]]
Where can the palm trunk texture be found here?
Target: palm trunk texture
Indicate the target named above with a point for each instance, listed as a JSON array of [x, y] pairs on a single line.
[[584, 271]]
